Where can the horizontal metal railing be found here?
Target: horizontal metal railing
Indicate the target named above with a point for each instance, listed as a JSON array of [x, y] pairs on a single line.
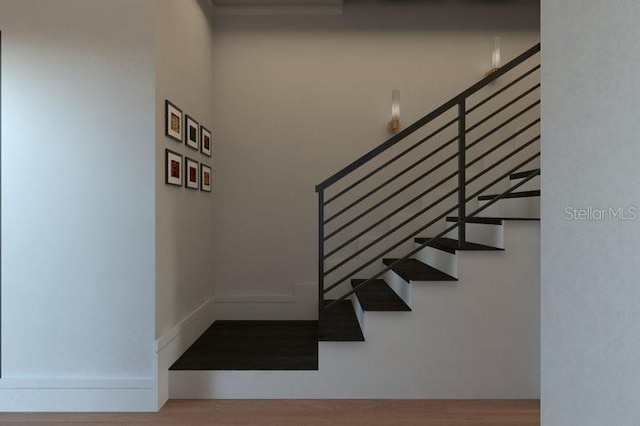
[[439, 235], [343, 233]]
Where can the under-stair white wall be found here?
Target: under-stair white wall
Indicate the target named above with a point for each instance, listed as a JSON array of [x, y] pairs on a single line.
[[298, 98], [475, 338]]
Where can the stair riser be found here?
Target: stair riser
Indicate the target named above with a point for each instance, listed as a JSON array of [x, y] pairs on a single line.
[[439, 259], [481, 233], [359, 311], [531, 185], [400, 286], [525, 207]]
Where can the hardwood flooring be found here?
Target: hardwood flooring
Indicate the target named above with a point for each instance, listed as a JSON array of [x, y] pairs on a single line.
[[307, 413]]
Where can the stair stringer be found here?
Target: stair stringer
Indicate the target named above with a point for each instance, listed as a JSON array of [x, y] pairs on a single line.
[[475, 338]]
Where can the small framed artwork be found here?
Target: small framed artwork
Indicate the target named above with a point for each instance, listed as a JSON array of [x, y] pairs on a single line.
[[173, 168], [205, 178], [174, 121], [205, 141], [191, 132], [191, 173]]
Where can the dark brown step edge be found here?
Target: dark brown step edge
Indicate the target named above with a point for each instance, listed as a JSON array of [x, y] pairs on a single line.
[[341, 323], [492, 220], [483, 220], [378, 296], [414, 270], [522, 194], [520, 175], [451, 246]]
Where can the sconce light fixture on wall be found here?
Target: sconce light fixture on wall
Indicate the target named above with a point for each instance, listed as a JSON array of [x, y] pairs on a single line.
[[394, 124], [495, 56]]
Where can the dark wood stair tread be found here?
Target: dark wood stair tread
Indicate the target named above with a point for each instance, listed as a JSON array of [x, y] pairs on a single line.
[[483, 220], [450, 245], [414, 270], [378, 296], [254, 345], [522, 194], [523, 174], [491, 220], [341, 323]]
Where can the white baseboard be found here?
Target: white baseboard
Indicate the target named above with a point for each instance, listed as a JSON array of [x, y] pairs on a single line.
[[78, 395], [177, 340], [302, 305], [20, 383], [145, 394]]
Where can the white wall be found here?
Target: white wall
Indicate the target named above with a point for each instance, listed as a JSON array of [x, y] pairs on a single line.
[[184, 217], [78, 187], [298, 98], [590, 269]]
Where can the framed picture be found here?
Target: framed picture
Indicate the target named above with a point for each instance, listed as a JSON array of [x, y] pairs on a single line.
[[191, 132], [191, 173], [173, 120], [205, 141], [205, 178], [173, 168]]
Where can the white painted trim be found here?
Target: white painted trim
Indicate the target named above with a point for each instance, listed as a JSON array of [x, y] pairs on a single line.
[[359, 310], [399, 286], [66, 383], [89, 399], [301, 305], [439, 259], [254, 298], [168, 337], [177, 340]]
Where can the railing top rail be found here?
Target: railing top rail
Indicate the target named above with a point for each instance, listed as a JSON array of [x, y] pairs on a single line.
[[427, 118]]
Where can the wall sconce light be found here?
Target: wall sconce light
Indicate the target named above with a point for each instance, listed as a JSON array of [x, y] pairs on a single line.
[[394, 124], [495, 57]]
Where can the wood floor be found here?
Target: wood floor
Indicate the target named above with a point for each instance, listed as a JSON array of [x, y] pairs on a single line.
[[309, 413]]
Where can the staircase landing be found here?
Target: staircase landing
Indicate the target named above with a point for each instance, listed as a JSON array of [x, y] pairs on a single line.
[[254, 345]]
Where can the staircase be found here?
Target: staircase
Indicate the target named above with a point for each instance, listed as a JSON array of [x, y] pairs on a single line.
[[482, 163], [430, 230]]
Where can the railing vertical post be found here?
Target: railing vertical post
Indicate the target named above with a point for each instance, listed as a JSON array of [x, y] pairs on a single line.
[[320, 261], [462, 175]]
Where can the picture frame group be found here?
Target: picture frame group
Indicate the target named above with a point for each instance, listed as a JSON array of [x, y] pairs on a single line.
[[181, 170]]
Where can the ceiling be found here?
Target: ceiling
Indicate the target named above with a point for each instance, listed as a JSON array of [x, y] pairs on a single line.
[[277, 7], [323, 7]]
